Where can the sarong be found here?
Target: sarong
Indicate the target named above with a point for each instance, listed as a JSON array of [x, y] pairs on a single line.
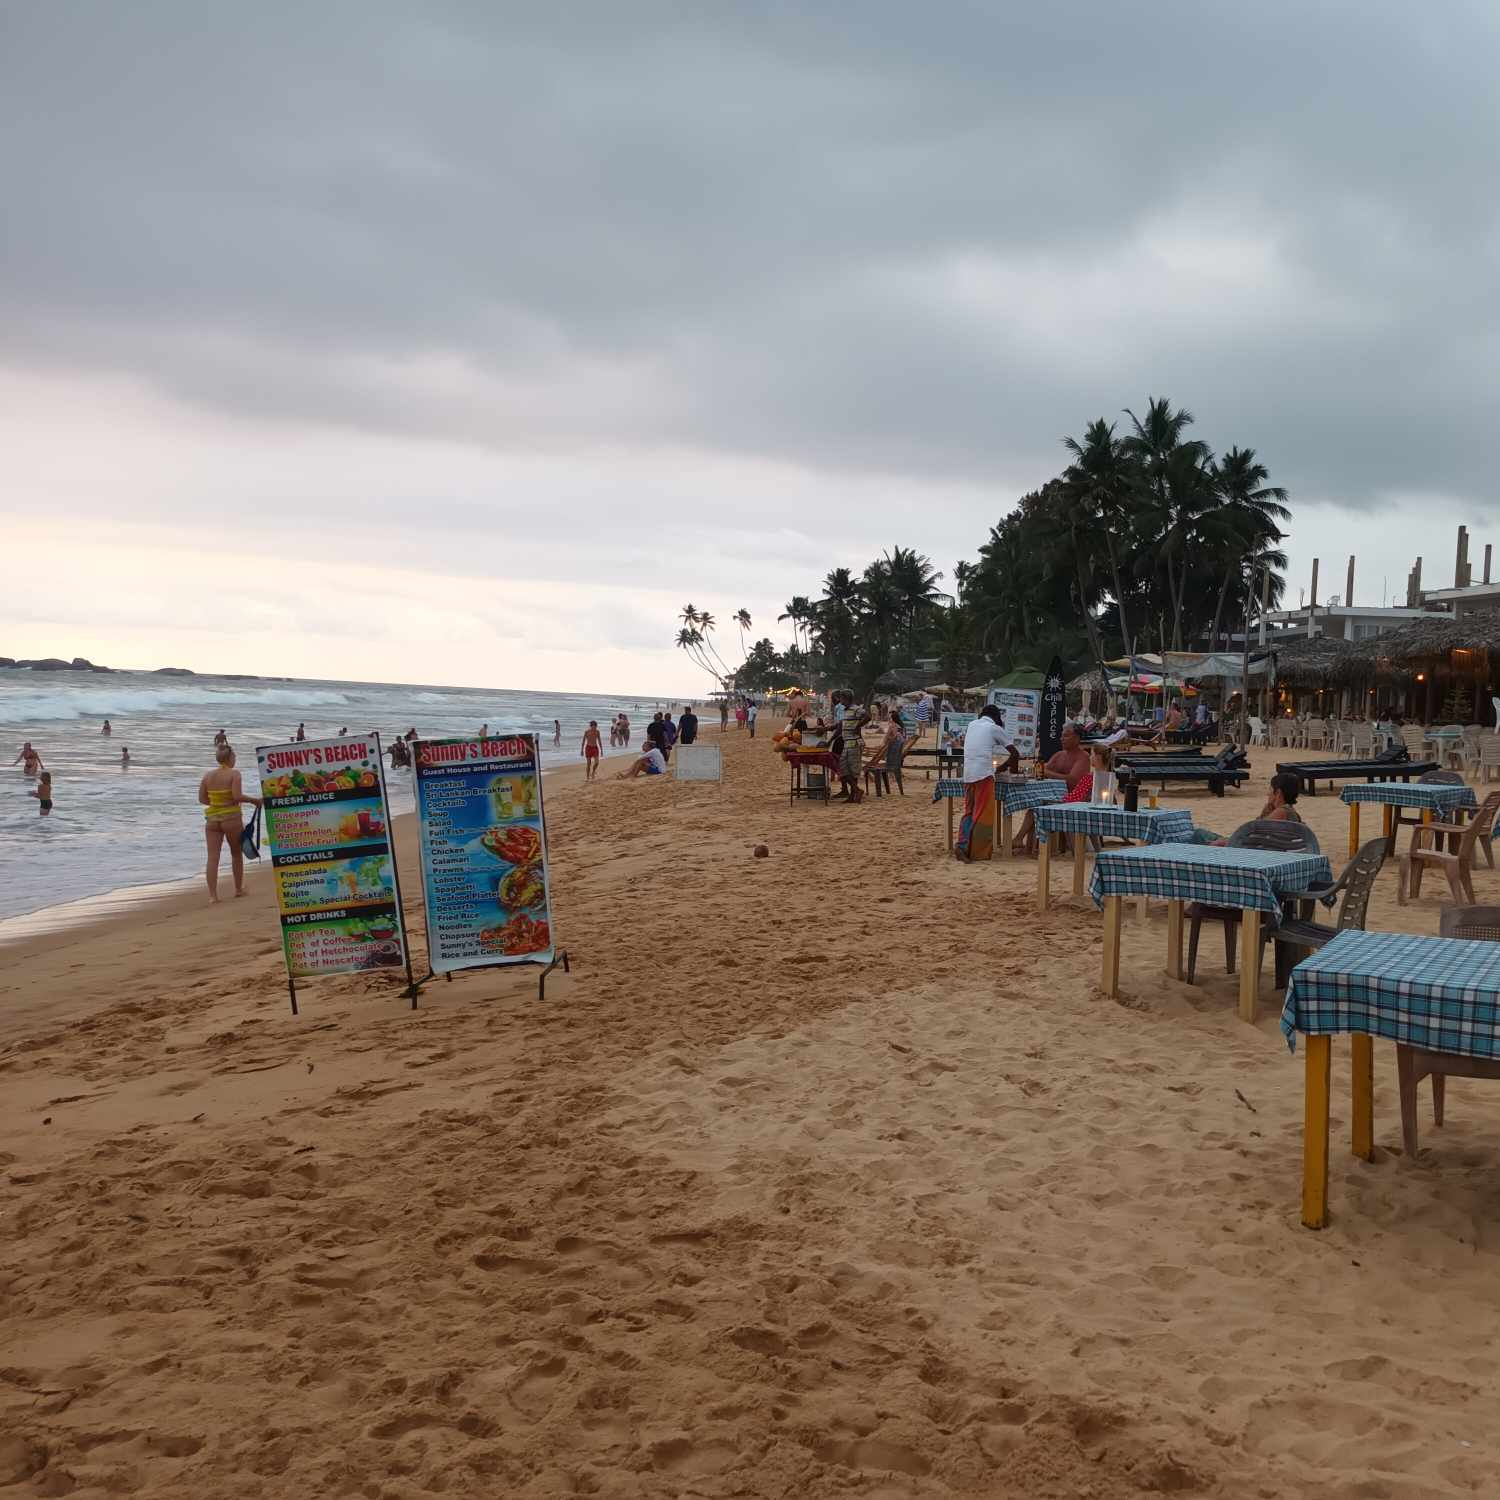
[[976, 829]]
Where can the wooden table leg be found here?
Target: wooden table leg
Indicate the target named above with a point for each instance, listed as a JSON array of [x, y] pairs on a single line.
[[1362, 1089], [1080, 854], [1249, 963], [1007, 833], [1174, 939], [1388, 821], [1043, 871], [1315, 1130], [1353, 829], [995, 824], [1109, 978], [950, 801]]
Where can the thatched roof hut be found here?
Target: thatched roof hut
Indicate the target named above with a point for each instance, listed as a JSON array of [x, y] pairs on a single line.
[[1314, 663], [1427, 642]]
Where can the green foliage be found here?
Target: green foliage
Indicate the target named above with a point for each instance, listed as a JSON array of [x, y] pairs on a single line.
[[1146, 541]]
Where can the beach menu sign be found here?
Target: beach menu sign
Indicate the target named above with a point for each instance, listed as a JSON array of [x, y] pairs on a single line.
[[484, 852], [1021, 707], [328, 825], [951, 728]]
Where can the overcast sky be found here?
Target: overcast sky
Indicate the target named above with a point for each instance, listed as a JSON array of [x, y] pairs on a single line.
[[465, 342]]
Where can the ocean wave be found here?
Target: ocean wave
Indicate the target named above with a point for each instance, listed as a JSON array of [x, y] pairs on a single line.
[[20, 708]]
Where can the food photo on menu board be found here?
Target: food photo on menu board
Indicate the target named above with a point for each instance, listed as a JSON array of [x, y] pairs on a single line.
[[328, 828], [484, 852]]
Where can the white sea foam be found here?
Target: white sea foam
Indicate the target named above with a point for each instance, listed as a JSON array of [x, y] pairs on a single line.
[[106, 700]]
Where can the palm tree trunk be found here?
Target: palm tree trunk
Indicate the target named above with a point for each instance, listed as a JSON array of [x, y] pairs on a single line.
[[1213, 638], [1114, 567]]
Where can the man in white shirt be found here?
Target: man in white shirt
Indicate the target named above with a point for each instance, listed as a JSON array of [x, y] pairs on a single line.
[[984, 740], [652, 763]]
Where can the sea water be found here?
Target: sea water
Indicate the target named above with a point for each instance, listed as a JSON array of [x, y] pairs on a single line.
[[113, 827]]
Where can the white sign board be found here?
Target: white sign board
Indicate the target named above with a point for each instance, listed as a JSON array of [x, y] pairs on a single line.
[[698, 763], [1020, 708]]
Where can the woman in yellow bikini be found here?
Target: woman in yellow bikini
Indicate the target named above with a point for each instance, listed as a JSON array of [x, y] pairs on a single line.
[[221, 794]]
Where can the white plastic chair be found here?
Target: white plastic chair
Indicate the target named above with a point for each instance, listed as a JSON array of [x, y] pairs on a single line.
[[1258, 734]]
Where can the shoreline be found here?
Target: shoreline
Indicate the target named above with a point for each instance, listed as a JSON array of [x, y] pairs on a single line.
[[23, 932]]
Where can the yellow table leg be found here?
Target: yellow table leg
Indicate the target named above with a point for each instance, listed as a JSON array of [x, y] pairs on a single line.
[[1353, 829], [1174, 939], [1043, 871], [1109, 977], [1080, 854], [1315, 1131], [1362, 1087], [1388, 822], [995, 823], [1249, 963], [1007, 833], [949, 801]]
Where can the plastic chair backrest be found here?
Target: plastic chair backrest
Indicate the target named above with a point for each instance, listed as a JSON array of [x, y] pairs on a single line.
[[1477, 923], [1479, 826], [1440, 778], [1273, 833], [1359, 881]]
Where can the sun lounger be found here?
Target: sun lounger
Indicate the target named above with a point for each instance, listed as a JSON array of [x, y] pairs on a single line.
[[1228, 768], [1310, 772]]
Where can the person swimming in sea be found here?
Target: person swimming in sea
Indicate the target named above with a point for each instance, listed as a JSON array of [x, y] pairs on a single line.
[[42, 791], [28, 759], [124, 757], [105, 730]]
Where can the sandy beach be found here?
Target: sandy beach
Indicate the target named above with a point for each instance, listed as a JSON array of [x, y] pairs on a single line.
[[825, 1174]]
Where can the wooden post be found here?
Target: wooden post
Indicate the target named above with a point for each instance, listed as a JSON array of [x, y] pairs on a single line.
[[1249, 963], [1043, 871], [1174, 939], [1353, 829], [1315, 1130], [1080, 854], [1388, 820], [995, 822], [1362, 1080], [1007, 833], [950, 801], [1109, 977]]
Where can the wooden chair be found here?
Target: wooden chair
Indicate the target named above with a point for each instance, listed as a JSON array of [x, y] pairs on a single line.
[[1413, 1064], [1259, 833], [1457, 865]]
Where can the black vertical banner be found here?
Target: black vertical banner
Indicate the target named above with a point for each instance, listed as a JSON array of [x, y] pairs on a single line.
[[1053, 709]]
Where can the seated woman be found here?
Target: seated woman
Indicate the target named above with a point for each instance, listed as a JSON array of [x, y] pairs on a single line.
[[1101, 762], [1280, 807]]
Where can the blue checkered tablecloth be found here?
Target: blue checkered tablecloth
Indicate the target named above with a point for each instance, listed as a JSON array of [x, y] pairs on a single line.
[[1147, 826], [1217, 876], [1440, 994], [947, 789], [1440, 797], [1027, 796]]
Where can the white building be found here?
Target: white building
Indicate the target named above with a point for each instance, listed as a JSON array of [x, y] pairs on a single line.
[[1343, 622]]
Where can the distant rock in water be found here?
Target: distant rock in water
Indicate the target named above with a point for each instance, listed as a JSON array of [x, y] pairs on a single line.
[[7, 661], [57, 664], [175, 672]]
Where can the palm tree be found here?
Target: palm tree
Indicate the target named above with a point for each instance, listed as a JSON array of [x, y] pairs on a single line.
[[1177, 489], [690, 641], [799, 612], [689, 615], [1246, 521], [915, 581], [1102, 480], [742, 619]]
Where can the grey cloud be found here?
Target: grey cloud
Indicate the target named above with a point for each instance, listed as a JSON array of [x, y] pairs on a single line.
[[738, 228]]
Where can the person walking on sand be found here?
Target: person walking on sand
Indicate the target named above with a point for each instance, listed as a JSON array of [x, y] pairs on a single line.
[[28, 759], [42, 791], [723, 714], [557, 734], [751, 714], [221, 793], [591, 750], [668, 734], [687, 726], [105, 730]]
